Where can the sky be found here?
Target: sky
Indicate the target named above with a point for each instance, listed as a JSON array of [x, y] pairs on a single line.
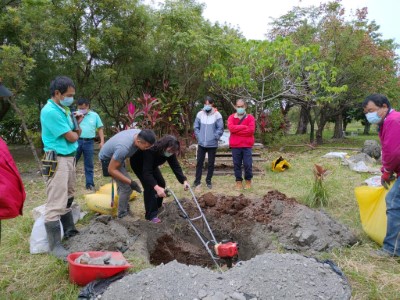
[[252, 16]]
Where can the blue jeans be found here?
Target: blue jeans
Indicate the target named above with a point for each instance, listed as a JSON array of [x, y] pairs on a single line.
[[85, 147], [391, 243], [242, 156]]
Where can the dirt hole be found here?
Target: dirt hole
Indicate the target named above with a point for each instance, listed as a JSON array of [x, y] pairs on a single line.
[[271, 223]]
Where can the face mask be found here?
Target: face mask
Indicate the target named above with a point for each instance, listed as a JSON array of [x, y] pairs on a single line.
[[240, 110], [67, 101], [167, 154], [373, 117], [83, 111], [207, 108]]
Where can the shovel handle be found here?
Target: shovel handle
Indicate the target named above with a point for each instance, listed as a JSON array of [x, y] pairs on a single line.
[[112, 192]]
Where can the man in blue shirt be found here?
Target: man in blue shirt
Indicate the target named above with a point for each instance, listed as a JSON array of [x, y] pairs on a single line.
[[60, 136], [90, 123]]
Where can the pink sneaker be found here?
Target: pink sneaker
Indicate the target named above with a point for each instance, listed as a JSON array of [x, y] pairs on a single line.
[[155, 220]]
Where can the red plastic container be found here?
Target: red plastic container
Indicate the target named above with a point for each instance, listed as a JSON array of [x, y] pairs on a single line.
[[82, 274]]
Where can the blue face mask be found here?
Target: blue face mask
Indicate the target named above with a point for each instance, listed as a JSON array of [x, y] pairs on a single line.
[[167, 154], [207, 108], [373, 118], [67, 101], [240, 110]]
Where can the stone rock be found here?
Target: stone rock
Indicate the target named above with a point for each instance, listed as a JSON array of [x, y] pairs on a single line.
[[364, 157], [238, 296], [372, 148], [277, 208], [305, 237]]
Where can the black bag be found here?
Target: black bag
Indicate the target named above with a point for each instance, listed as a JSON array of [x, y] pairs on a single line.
[[104, 167]]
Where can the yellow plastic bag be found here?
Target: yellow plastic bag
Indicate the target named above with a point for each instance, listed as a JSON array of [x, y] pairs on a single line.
[[372, 205], [101, 203], [101, 200], [280, 164]]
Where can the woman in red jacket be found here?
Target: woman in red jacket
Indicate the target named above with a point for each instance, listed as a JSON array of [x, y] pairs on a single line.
[[242, 127]]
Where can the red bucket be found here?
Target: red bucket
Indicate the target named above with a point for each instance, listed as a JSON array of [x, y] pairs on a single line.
[[82, 274]]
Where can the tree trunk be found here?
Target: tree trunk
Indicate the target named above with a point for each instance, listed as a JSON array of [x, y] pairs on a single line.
[[321, 125], [32, 146], [319, 135], [303, 121], [312, 125], [338, 131], [345, 123], [312, 132], [367, 127]]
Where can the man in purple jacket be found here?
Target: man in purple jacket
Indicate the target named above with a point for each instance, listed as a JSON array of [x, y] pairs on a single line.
[[378, 111]]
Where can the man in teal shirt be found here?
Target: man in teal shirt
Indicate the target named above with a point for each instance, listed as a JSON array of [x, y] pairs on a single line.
[[60, 136], [89, 125]]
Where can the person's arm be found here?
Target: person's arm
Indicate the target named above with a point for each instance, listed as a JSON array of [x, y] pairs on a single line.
[[176, 168], [73, 136], [234, 128], [196, 126], [391, 145], [120, 154], [99, 126], [101, 135], [249, 128], [219, 127], [113, 170], [58, 125]]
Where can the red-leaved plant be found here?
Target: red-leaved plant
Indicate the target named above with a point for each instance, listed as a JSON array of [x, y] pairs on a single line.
[[143, 115]]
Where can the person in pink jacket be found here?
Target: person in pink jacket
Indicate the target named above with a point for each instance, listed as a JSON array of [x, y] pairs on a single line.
[[242, 127], [378, 111]]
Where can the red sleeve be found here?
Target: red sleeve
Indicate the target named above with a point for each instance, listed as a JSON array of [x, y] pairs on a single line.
[[12, 192], [232, 127]]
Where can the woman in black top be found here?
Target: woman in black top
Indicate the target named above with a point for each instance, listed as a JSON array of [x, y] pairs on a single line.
[[145, 165]]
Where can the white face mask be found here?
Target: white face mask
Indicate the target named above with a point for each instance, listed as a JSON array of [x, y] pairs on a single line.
[[240, 110], [373, 117], [67, 101], [167, 154]]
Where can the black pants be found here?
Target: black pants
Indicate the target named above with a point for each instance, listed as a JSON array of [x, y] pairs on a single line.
[[201, 155], [151, 202]]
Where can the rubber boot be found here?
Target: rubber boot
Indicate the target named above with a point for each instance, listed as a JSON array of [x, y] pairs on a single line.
[[248, 185], [239, 185], [67, 222], [53, 229]]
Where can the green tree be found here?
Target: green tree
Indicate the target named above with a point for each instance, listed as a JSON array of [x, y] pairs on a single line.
[[265, 72], [354, 49]]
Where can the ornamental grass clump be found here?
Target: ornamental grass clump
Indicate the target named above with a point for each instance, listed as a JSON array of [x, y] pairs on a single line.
[[318, 196]]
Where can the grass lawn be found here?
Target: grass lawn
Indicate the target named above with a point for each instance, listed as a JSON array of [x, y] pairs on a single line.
[[26, 276]]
